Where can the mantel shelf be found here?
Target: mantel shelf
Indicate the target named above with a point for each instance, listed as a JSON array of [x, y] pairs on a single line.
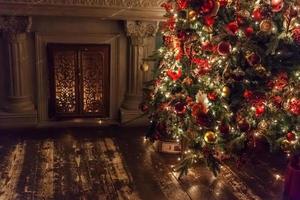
[[99, 9]]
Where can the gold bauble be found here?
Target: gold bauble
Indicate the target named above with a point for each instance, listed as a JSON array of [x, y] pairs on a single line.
[[263, 125], [210, 137], [145, 67], [225, 91], [285, 145], [192, 15], [266, 26]]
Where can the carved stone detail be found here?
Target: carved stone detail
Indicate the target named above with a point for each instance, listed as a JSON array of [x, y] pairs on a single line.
[[94, 3], [15, 24], [138, 31]]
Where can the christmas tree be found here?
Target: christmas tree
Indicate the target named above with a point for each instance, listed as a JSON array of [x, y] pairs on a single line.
[[228, 78]]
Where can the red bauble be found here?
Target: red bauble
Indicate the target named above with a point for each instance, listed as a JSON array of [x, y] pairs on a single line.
[[174, 75], [296, 35], [209, 7], [257, 14], [232, 27], [248, 94], [223, 2], [209, 21], [290, 136], [224, 48], [167, 6], [253, 59], [249, 31], [277, 5], [182, 4], [212, 96], [180, 107], [259, 110], [294, 106]]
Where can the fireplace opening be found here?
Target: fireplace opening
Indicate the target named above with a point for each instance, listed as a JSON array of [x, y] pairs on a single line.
[[79, 80]]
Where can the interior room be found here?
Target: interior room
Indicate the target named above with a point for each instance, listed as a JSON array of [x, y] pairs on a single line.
[[149, 100]]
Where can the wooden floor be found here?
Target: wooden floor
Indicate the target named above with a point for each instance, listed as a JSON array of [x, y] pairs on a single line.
[[116, 163]]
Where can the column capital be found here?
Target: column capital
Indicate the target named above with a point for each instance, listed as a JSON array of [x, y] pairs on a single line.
[[11, 26], [139, 30]]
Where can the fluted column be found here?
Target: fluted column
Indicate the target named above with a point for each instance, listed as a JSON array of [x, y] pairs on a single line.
[[14, 30], [138, 32]]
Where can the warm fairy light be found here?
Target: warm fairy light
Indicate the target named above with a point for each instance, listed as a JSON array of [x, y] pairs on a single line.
[[277, 177]]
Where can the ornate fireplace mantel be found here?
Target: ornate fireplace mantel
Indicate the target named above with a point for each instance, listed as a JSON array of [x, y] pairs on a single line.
[[107, 9]]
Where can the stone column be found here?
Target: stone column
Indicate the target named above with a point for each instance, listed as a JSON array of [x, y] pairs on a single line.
[[138, 32], [14, 31]]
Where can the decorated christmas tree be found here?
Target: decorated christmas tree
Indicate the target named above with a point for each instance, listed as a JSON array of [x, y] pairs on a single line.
[[228, 78]]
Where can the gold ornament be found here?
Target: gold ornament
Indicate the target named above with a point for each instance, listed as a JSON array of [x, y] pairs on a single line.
[[145, 67], [187, 81], [192, 15], [210, 137], [266, 26], [285, 145], [225, 91], [263, 126]]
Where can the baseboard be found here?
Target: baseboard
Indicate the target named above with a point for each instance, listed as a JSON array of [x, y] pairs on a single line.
[[133, 118], [18, 120]]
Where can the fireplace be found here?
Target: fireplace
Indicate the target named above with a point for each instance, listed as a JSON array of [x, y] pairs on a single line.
[[79, 80]]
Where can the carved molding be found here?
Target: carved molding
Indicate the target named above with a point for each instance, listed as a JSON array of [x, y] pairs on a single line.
[[139, 30], [90, 3], [15, 24]]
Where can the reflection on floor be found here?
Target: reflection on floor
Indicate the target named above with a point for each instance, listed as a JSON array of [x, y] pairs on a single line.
[[116, 163]]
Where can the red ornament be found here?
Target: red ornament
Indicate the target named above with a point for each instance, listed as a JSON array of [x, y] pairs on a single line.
[[248, 94], [296, 35], [277, 5], [232, 27], [260, 109], [257, 14], [281, 81], [198, 108], [294, 106], [167, 6], [249, 31], [290, 136], [180, 107], [209, 8], [223, 3], [182, 4], [224, 48], [174, 75], [208, 21], [202, 64], [212, 96]]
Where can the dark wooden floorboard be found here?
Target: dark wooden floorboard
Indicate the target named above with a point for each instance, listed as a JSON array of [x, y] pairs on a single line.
[[117, 164]]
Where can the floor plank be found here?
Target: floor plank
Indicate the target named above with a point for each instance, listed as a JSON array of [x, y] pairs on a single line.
[[118, 164]]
